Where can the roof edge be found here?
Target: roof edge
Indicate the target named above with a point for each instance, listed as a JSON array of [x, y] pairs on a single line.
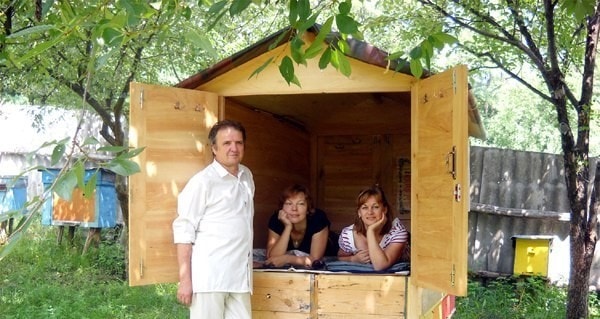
[[359, 50]]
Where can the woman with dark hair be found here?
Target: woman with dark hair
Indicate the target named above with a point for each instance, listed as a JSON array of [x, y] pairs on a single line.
[[375, 237], [298, 232]]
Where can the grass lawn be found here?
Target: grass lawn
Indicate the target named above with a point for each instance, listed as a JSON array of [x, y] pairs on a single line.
[[40, 279]]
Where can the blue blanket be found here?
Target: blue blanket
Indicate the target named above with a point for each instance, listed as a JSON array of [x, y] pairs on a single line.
[[347, 266], [331, 263]]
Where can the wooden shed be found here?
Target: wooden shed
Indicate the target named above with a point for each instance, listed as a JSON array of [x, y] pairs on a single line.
[[337, 135]]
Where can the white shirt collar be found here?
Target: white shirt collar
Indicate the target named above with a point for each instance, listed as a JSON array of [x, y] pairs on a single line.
[[222, 171]]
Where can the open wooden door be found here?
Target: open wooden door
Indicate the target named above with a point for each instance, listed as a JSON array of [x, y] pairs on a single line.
[[172, 124], [440, 179]]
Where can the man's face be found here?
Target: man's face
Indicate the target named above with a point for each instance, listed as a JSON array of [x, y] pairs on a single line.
[[229, 148]]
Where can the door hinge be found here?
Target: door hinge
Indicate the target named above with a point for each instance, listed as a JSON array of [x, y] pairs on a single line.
[[457, 192], [453, 276], [142, 98], [454, 81], [141, 268]]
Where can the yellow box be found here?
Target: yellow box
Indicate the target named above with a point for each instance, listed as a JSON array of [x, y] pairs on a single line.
[[531, 254]]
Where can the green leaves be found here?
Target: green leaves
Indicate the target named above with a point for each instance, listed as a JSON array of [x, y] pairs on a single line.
[[121, 164], [237, 6], [65, 183], [34, 30], [261, 68], [39, 49], [579, 9], [112, 36], [217, 7], [299, 11], [325, 59], [345, 23], [286, 68], [74, 176], [340, 61], [296, 50], [202, 42], [416, 68], [57, 153], [423, 53]]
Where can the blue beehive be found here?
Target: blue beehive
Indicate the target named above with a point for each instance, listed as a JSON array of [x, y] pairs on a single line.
[[97, 211], [13, 194]]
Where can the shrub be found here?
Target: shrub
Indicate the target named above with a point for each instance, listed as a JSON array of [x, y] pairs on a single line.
[[512, 297]]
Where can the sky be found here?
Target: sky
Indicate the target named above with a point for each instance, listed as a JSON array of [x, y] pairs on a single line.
[[26, 128]]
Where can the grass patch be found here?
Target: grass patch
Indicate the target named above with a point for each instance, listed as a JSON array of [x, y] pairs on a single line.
[[41, 279], [517, 297]]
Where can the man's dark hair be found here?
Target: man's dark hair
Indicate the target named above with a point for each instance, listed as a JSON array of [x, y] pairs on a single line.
[[212, 135]]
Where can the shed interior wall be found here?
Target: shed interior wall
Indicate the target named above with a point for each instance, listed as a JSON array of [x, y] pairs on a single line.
[[336, 144]]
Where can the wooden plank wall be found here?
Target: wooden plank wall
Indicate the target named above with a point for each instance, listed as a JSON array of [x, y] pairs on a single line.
[[332, 296], [361, 146], [277, 154], [349, 163], [361, 296], [282, 295]]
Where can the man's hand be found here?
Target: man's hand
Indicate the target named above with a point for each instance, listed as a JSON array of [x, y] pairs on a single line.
[[184, 293]]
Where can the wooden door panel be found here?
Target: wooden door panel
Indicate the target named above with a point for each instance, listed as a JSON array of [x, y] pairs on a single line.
[[172, 124], [439, 148]]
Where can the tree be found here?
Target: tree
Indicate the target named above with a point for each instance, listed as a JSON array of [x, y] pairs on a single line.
[[516, 122], [558, 41], [84, 56]]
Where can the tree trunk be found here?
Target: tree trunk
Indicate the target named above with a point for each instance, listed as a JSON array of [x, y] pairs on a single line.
[[583, 239], [123, 196], [577, 297]]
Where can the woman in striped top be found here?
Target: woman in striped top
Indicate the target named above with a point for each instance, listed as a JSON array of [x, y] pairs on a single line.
[[374, 237]]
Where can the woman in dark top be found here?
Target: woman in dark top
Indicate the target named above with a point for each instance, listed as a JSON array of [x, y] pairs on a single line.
[[298, 232]]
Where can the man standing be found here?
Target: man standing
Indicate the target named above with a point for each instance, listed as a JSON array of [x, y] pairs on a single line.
[[213, 231]]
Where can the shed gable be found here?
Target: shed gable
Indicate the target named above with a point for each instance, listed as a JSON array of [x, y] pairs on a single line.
[[364, 78]]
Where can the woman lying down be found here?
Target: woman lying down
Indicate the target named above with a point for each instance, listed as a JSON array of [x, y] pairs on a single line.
[[374, 243]]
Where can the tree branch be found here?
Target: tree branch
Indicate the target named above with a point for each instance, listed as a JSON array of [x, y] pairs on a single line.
[[531, 51], [591, 46], [557, 82], [508, 38], [80, 90], [7, 25], [587, 82], [524, 31], [119, 104], [551, 35], [501, 66]]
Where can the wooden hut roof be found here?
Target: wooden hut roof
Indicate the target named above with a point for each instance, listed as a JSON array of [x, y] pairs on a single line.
[[364, 56]]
